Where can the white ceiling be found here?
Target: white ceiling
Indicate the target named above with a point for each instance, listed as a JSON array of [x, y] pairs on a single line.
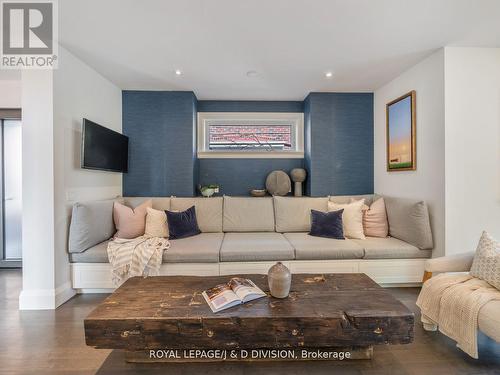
[[290, 43]]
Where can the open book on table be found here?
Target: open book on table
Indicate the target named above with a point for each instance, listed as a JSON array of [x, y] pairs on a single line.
[[235, 292]]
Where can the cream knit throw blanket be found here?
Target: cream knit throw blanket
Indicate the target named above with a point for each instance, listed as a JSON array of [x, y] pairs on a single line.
[[452, 303], [139, 256]]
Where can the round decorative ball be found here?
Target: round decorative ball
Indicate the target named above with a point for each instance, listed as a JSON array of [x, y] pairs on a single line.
[[278, 183], [298, 174]]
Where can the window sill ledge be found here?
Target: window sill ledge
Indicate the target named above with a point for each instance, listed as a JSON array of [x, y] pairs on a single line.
[[249, 155]]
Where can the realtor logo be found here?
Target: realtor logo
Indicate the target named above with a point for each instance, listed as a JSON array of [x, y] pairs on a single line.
[[28, 35]]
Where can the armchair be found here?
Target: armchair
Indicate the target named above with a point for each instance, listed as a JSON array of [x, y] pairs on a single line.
[[451, 263], [489, 315]]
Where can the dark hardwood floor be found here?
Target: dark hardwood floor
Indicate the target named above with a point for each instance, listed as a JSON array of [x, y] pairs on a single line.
[[52, 342]]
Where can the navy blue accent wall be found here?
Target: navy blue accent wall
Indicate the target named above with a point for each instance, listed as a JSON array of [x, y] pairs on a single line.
[[248, 106], [161, 126], [239, 176], [339, 143]]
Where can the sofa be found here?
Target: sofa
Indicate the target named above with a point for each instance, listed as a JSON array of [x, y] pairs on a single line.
[[489, 315], [248, 235]]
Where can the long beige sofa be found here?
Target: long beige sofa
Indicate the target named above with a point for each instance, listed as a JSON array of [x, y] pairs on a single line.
[[247, 235]]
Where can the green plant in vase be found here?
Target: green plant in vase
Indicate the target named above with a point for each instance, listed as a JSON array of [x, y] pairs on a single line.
[[209, 190]]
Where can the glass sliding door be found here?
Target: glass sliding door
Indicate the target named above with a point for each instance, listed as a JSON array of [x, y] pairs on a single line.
[[10, 192], [12, 188]]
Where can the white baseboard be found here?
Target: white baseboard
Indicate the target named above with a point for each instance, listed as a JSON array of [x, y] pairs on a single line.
[[96, 277], [64, 293], [45, 299]]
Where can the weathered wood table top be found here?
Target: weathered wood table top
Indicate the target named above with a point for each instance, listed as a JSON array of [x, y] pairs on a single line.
[[322, 311]]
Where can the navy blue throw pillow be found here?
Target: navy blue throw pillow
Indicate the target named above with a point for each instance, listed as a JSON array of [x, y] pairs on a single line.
[[327, 224], [182, 224]]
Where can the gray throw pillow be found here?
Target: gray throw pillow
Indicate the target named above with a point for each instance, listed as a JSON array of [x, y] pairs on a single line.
[[91, 224], [409, 221]]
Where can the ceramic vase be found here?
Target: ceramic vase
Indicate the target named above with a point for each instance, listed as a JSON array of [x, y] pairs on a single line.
[[279, 278]]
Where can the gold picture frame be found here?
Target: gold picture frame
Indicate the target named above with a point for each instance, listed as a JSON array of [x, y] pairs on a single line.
[[401, 123]]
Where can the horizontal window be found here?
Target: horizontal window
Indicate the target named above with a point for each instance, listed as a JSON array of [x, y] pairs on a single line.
[[250, 135]]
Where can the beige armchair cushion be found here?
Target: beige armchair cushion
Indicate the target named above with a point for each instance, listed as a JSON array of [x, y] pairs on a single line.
[[488, 320], [451, 263]]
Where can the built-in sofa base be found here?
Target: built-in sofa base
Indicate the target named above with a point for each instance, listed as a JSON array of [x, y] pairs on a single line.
[[96, 277]]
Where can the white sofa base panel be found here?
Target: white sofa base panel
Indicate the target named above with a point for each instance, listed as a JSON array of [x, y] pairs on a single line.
[[96, 277]]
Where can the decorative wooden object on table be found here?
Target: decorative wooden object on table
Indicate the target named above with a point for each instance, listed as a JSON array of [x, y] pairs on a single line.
[[331, 312]]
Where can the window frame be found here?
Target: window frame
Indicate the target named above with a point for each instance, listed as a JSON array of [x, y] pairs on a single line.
[[295, 119]]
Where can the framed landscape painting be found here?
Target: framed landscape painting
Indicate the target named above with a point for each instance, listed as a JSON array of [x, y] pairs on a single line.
[[401, 133]]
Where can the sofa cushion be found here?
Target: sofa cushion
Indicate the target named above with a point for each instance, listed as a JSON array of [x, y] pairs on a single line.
[[312, 248], [91, 223], [202, 248], [159, 203], [390, 248], [293, 214], [248, 214], [95, 254], [343, 199], [489, 320], [239, 247], [208, 211], [409, 221]]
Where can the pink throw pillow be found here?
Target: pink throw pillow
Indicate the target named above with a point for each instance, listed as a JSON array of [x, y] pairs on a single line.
[[375, 219], [130, 223]]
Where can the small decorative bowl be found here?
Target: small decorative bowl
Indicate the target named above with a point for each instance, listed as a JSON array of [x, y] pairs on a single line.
[[258, 192], [208, 192]]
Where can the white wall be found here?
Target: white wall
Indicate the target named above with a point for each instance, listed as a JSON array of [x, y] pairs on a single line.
[[472, 86], [38, 191], [427, 182], [79, 91], [54, 104], [10, 93]]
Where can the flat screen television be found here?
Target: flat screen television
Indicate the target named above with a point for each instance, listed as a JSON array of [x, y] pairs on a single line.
[[103, 148]]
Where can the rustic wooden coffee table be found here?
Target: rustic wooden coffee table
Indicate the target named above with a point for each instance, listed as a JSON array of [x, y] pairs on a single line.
[[167, 319]]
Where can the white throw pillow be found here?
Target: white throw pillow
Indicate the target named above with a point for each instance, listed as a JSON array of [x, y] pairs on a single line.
[[156, 223], [486, 264], [352, 218]]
